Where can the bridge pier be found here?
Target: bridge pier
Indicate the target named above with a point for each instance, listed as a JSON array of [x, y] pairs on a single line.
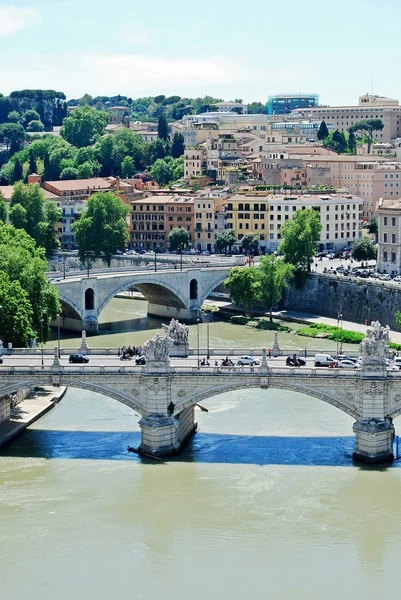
[[163, 435], [374, 440]]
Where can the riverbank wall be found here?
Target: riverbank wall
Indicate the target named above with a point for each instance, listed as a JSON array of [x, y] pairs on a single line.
[[15, 416], [357, 300]]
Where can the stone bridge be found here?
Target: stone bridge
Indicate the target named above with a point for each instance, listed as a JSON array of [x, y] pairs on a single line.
[[170, 293], [165, 397]]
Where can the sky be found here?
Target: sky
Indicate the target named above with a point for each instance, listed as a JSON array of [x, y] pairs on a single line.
[[223, 48]]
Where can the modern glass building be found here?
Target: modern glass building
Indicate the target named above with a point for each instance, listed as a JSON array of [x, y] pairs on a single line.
[[285, 103]]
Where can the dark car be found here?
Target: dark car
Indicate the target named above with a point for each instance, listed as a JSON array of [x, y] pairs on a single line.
[[1, 361], [140, 361], [295, 361], [78, 358]]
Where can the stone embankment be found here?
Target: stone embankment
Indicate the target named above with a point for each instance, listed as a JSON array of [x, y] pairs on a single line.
[[17, 414]]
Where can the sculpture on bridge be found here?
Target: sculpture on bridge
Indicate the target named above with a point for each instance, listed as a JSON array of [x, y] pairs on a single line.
[[374, 346], [157, 348], [176, 331]]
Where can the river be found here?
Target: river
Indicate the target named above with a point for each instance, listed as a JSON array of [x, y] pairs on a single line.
[[265, 503]]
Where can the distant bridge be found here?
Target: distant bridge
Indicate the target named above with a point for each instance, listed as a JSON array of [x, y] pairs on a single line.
[[170, 293]]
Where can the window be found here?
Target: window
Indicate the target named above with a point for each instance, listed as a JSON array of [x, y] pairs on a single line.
[[393, 221], [393, 257], [385, 256], [393, 238], [384, 220], [384, 237]]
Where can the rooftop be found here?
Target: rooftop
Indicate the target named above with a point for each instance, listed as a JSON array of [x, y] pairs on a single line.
[[70, 185], [390, 204], [7, 191]]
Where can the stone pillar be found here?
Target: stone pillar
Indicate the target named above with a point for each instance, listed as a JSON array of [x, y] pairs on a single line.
[[163, 435], [374, 440], [83, 349], [276, 347], [56, 361], [180, 349], [264, 369]]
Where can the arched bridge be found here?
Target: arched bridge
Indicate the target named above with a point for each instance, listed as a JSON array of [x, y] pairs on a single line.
[[166, 396], [170, 293]]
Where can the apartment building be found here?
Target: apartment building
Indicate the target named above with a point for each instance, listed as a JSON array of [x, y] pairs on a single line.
[[264, 214], [370, 107], [154, 217], [389, 239]]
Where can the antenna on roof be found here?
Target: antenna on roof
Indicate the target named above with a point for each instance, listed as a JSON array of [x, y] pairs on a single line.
[[372, 87]]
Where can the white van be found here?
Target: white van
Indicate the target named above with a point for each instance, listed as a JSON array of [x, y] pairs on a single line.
[[323, 360], [397, 361]]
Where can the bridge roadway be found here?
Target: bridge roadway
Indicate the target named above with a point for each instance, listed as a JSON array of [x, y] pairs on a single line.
[[165, 392]]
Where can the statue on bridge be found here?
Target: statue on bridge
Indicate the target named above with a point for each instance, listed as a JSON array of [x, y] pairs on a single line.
[[157, 348], [374, 346], [176, 331]]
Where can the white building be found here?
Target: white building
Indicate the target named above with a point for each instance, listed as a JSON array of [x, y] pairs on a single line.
[[389, 246]]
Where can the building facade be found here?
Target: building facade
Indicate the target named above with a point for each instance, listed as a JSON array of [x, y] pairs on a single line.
[[285, 103], [389, 238]]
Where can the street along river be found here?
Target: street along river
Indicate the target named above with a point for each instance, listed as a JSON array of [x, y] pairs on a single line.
[[265, 502]]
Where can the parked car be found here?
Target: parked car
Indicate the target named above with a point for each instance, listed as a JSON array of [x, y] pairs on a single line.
[[385, 278], [295, 361], [140, 361], [346, 364], [397, 278], [78, 358], [1, 360], [345, 357], [247, 360]]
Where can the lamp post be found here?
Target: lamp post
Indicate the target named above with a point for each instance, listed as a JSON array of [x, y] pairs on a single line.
[[155, 261], [41, 336], [181, 255], [58, 335], [64, 257], [206, 318], [341, 333], [197, 334]]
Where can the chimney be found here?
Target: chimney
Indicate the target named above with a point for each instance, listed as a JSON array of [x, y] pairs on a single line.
[[34, 178]]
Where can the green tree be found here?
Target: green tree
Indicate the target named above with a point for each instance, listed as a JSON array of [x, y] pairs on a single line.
[[250, 243], [29, 211], [178, 145], [30, 115], [102, 228], [84, 126], [47, 168], [162, 171], [162, 127], [14, 117], [225, 240], [128, 167], [368, 127], [323, 132], [3, 209], [363, 250], [13, 136], [274, 274], [176, 237], [398, 319], [257, 108], [24, 264], [85, 171], [35, 126], [69, 173], [243, 285], [17, 173], [32, 163], [299, 238], [352, 142]]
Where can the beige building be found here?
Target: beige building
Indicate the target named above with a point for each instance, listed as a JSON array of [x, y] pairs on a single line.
[[389, 241], [264, 214], [370, 107]]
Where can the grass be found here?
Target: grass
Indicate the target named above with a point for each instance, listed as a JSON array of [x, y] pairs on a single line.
[[258, 323], [331, 332]]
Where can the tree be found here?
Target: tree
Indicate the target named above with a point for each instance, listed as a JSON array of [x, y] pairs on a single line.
[[300, 236], [84, 126], [176, 237], [340, 143], [85, 171], [32, 163], [35, 126], [257, 108], [128, 167], [102, 228], [69, 173], [243, 285], [250, 243], [178, 145], [47, 168], [363, 250], [162, 172], [3, 209], [29, 211], [17, 173], [368, 127], [162, 127], [13, 136], [274, 274], [323, 132], [225, 240], [30, 115], [352, 142], [23, 281], [13, 117]]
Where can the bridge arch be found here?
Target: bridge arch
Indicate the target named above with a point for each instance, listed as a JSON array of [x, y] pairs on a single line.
[[69, 308], [210, 287], [341, 404], [106, 391], [153, 290]]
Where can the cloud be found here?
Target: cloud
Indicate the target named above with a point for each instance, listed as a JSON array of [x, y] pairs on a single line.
[[132, 37], [14, 19]]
